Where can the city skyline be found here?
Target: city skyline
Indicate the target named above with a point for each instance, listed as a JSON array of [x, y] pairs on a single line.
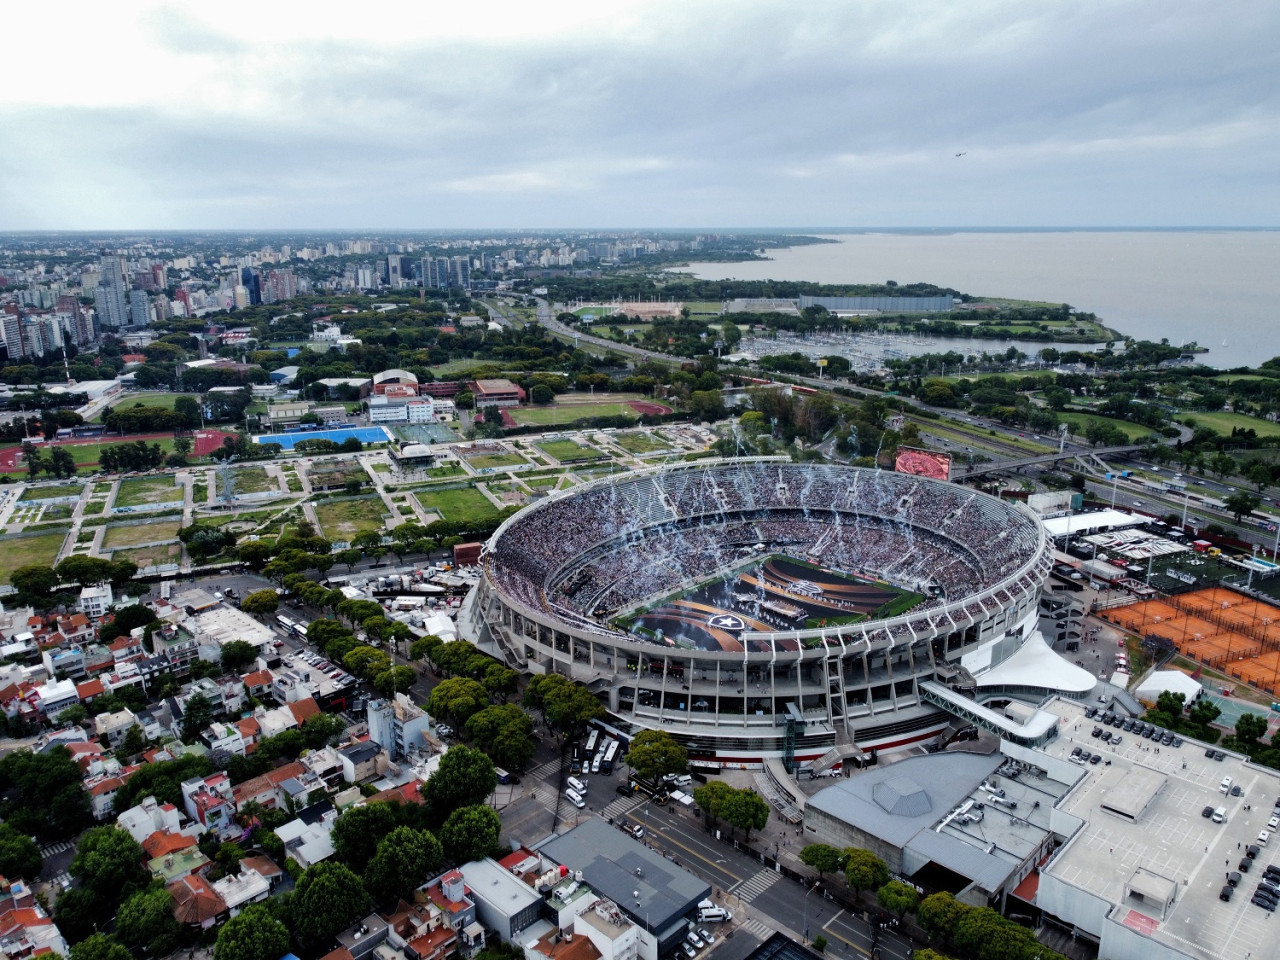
[[654, 113]]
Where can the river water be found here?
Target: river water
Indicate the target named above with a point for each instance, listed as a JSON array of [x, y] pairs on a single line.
[[1217, 287]]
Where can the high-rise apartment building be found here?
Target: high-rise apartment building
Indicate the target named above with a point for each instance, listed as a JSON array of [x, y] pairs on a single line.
[[140, 308], [111, 295]]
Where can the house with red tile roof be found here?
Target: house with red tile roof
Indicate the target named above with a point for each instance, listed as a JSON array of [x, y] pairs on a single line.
[[266, 788], [195, 902]]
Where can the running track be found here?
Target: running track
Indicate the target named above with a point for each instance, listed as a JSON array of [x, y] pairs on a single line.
[[205, 442]]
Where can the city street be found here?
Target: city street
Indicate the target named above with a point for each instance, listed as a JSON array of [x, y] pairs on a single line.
[[761, 899]]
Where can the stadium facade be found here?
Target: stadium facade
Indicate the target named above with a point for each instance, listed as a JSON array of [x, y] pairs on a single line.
[[569, 581]]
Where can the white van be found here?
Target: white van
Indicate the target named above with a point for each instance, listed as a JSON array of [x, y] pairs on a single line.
[[576, 785], [714, 915], [1219, 815], [575, 798], [595, 762], [1225, 785]]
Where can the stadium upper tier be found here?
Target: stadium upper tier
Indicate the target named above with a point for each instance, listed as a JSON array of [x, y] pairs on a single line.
[[579, 559]]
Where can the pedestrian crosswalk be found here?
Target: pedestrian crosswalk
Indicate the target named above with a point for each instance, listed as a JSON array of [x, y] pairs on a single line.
[[621, 807], [753, 886], [62, 880], [546, 771], [756, 928], [546, 795], [55, 848]]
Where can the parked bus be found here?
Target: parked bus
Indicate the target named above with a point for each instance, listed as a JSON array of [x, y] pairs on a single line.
[[592, 739], [284, 623], [610, 754]]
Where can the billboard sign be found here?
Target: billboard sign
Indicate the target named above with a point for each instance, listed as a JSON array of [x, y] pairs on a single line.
[[924, 463]]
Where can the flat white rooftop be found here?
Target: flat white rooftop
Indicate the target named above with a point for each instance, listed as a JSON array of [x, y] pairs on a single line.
[[1168, 841]]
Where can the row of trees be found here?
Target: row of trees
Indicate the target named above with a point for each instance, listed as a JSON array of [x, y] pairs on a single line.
[[59, 464], [741, 809], [975, 933], [38, 585]]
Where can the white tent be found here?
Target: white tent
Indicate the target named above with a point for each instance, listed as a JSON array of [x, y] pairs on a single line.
[[1171, 681]]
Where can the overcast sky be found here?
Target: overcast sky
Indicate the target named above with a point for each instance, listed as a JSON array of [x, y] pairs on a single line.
[[624, 113]]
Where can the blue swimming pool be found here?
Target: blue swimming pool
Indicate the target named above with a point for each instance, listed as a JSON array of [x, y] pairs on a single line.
[[363, 434]]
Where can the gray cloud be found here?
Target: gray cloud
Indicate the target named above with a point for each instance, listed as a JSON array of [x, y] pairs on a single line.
[[754, 115]]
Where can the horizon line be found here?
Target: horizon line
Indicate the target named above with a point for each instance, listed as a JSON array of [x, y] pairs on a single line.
[[1045, 228]]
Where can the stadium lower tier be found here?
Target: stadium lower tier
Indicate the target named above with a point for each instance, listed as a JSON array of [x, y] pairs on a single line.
[[742, 710], [827, 595]]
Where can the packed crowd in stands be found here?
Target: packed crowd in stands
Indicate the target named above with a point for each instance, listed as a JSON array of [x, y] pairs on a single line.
[[619, 542]]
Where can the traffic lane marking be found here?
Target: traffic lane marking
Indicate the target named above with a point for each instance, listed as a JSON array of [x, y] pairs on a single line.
[[710, 865]]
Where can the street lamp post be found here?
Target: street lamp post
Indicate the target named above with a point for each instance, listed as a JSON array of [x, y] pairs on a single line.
[[806, 912]]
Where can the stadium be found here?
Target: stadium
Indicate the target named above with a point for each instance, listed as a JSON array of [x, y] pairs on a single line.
[[759, 608]]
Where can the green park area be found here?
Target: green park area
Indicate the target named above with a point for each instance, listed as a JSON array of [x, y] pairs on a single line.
[[55, 492], [139, 533], [561, 412], [596, 311], [491, 461], [1224, 422], [248, 480], [84, 454], [140, 491], [458, 504], [39, 550], [150, 556], [639, 442], [703, 307], [569, 451], [1080, 423], [343, 519], [163, 401]]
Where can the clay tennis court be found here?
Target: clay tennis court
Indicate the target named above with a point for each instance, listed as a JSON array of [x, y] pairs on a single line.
[[1217, 627]]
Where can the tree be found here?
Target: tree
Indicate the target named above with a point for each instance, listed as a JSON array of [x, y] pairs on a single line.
[[237, 655], [863, 870], [1259, 474], [1251, 728], [254, 934], [981, 932], [358, 832], [471, 833], [822, 857], [1240, 503], [504, 732], [655, 753], [108, 863], [745, 810], [146, 920], [254, 554], [77, 913], [896, 897], [394, 679], [939, 913], [261, 603], [565, 706], [196, 715], [1222, 464], [188, 412], [19, 855], [35, 585], [458, 699], [710, 798], [321, 729], [464, 778], [328, 898], [500, 681], [100, 946], [405, 859], [1171, 703]]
